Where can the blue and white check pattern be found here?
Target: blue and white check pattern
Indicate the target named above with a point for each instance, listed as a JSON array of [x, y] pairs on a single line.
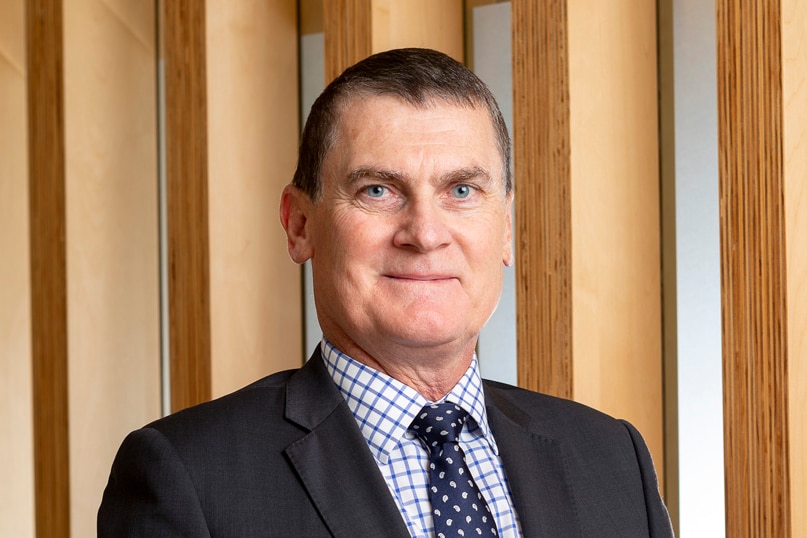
[[384, 408]]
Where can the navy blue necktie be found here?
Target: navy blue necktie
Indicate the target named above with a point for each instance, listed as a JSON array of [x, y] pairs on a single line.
[[457, 504]]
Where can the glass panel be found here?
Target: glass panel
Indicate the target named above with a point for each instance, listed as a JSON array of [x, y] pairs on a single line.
[[492, 62], [696, 269]]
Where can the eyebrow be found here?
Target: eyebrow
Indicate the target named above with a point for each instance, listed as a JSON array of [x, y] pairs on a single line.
[[375, 173], [454, 176]]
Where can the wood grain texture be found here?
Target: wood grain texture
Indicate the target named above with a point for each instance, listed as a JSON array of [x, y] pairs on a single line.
[[794, 88], [542, 177], [587, 207], [753, 268], [48, 266], [186, 180], [348, 34]]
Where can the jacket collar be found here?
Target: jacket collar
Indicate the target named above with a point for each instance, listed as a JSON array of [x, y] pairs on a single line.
[[333, 461], [341, 477], [535, 467]]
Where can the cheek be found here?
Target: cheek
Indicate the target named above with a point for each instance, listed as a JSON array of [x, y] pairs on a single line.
[[350, 246]]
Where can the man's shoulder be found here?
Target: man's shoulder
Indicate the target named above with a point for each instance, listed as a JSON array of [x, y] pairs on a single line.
[[550, 415], [260, 402]]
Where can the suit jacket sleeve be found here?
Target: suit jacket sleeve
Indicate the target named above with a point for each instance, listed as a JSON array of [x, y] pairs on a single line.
[[149, 493], [658, 519]]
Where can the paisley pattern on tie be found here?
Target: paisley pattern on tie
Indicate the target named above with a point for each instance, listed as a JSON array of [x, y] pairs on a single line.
[[457, 504]]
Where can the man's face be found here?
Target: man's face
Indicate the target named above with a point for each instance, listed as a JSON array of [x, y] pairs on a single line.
[[412, 230]]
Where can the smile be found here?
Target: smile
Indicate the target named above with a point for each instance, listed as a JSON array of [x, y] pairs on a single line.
[[421, 278]]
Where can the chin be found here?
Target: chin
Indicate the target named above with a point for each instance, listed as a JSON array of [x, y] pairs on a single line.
[[424, 336]]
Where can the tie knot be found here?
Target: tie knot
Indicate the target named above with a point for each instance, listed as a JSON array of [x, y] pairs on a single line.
[[439, 423]]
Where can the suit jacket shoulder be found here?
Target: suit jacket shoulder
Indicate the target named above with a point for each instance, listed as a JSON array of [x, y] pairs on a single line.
[[281, 457], [573, 470], [284, 457]]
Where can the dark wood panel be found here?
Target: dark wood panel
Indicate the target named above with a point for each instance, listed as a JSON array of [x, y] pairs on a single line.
[[541, 161], [753, 268], [46, 147], [183, 43], [348, 34], [669, 267]]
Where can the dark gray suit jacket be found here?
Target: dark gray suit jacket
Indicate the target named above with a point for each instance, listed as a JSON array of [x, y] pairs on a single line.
[[284, 457]]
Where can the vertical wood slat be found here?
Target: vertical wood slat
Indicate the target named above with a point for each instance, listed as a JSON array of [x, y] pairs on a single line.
[[256, 321], [112, 239], [794, 130], [45, 58], [418, 23], [17, 515], [348, 34], [186, 186], [753, 268], [541, 156], [669, 265]]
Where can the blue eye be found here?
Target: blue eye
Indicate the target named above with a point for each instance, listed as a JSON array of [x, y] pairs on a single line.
[[376, 191], [461, 191]]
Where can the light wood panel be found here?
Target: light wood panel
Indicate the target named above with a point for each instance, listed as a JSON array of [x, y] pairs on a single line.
[[587, 210], [16, 427], [48, 266], [616, 281], [435, 24], [256, 310], [184, 53], [762, 171], [112, 267], [354, 29], [794, 90]]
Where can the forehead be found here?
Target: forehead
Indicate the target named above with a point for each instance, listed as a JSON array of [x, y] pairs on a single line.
[[358, 109], [388, 127]]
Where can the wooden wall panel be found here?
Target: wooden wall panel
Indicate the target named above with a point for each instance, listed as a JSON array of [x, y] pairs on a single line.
[[348, 34], [794, 90], [587, 206], [763, 164], [436, 24], [616, 238], [184, 56], [16, 427], [310, 17], [669, 263], [112, 266], [252, 80], [541, 166], [46, 160], [354, 29]]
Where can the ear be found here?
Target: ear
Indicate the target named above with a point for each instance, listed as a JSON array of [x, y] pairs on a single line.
[[295, 209], [507, 254]]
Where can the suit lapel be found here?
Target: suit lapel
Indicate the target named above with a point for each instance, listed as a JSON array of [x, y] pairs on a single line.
[[333, 461], [535, 470]]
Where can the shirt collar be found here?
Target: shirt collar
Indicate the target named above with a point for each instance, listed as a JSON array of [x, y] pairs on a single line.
[[384, 407]]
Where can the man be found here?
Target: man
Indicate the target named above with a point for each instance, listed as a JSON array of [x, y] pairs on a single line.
[[401, 201]]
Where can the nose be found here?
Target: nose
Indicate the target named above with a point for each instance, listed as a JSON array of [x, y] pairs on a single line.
[[422, 227]]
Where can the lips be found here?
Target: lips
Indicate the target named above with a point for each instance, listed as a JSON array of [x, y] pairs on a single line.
[[421, 278], [420, 281]]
